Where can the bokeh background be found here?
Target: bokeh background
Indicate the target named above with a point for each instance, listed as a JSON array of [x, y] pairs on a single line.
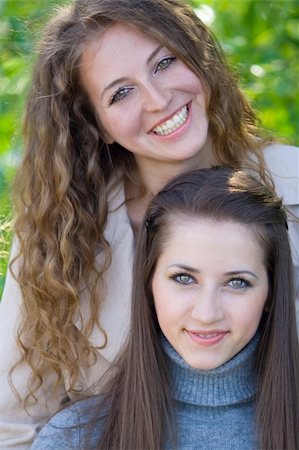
[[259, 38]]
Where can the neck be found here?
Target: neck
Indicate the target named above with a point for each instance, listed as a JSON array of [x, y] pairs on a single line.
[[154, 174], [233, 382], [139, 196]]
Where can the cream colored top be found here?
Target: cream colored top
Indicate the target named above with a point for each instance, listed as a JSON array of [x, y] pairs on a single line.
[[17, 428]]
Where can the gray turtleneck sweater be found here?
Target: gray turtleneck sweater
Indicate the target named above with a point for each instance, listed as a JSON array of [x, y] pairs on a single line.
[[213, 409]]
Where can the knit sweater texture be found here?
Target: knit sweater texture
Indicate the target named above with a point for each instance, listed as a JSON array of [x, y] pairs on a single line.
[[214, 409]]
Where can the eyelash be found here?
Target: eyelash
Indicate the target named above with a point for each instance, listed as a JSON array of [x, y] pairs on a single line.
[[164, 63], [245, 283], [119, 94], [122, 92], [175, 277]]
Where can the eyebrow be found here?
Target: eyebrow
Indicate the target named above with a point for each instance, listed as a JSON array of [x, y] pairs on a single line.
[[124, 79], [240, 272], [184, 267], [230, 273]]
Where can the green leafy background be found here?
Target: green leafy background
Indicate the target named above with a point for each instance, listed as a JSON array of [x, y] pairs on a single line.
[[260, 39]]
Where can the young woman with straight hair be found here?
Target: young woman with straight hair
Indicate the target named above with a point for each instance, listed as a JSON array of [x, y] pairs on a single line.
[[212, 358]]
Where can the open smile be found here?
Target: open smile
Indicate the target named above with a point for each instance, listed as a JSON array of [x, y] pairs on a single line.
[[172, 124]]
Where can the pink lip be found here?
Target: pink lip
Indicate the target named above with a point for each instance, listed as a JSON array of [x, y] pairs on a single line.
[[207, 338]]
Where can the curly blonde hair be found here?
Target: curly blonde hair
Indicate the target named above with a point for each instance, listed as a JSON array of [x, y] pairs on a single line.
[[62, 185]]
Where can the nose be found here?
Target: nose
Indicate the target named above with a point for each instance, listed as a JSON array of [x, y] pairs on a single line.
[[207, 308], [155, 97]]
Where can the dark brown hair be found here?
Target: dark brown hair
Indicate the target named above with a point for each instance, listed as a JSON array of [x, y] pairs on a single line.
[[62, 185], [140, 403]]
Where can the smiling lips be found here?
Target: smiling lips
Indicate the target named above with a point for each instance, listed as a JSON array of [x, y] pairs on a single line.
[[172, 124], [207, 338]]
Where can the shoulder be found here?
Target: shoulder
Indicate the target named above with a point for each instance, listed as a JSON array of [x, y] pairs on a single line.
[[275, 154], [68, 428], [118, 222], [282, 162]]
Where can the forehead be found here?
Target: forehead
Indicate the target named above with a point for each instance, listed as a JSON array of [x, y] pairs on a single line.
[[202, 236], [119, 52], [116, 42]]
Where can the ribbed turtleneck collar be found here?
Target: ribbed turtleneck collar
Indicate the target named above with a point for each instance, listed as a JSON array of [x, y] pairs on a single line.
[[233, 382]]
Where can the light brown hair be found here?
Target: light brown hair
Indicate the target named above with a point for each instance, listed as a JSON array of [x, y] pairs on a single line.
[[62, 185]]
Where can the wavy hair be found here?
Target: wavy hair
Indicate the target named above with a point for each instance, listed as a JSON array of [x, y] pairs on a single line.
[[61, 188], [140, 396]]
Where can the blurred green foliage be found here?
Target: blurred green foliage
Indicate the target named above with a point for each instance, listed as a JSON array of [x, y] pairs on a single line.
[[261, 42], [260, 39], [20, 24]]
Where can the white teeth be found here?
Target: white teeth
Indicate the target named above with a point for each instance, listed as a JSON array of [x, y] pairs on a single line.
[[206, 336], [172, 124]]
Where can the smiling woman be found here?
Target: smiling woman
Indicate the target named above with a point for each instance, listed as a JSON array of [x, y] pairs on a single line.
[[212, 353], [125, 95], [157, 102], [209, 289]]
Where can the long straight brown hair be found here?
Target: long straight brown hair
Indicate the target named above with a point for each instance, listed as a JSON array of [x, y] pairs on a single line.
[[139, 404]]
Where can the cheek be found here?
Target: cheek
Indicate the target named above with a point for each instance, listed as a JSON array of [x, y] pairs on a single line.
[[171, 311], [164, 310], [249, 317], [121, 125], [198, 89], [193, 83], [168, 318], [162, 304]]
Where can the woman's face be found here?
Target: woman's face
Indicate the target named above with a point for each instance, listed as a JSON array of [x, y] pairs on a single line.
[[210, 286], [146, 99]]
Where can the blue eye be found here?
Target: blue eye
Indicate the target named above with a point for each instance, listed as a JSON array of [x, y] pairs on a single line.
[[120, 94], [164, 63], [238, 283], [182, 278]]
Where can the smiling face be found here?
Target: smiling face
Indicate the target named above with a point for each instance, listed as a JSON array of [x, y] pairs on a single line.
[[210, 286], [147, 100]]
